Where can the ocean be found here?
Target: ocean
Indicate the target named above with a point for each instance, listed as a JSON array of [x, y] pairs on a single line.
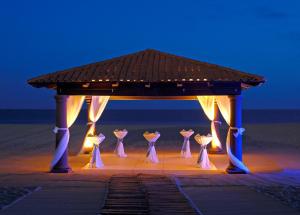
[[113, 116]]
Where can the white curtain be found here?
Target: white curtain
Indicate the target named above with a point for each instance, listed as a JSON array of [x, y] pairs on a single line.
[[98, 104], [207, 104], [224, 106], [74, 104], [97, 107]]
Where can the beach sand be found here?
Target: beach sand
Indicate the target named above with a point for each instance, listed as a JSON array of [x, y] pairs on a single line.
[[271, 151]]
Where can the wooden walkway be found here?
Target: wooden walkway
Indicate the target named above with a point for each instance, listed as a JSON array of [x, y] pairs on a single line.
[[125, 195], [144, 194]]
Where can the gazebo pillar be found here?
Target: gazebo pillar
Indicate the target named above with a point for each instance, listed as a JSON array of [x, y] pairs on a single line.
[[215, 149], [235, 142], [62, 166], [88, 100]]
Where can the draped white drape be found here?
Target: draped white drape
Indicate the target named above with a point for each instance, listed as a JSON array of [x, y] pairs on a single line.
[[224, 106], [208, 105], [74, 104], [98, 104]]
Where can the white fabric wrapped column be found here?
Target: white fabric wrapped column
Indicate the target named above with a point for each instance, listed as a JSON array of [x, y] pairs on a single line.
[[210, 109], [203, 160], [119, 150], [96, 108], [186, 150], [67, 110], [95, 161], [230, 108], [151, 153]]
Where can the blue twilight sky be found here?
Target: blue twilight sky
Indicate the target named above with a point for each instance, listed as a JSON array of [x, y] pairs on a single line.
[[256, 36]]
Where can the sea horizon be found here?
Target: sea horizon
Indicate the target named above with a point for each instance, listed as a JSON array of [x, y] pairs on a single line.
[[141, 116]]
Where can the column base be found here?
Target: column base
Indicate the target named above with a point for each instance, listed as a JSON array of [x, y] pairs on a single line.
[[61, 170], [235, 170]]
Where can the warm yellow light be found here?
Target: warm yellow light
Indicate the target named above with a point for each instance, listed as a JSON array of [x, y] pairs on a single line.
[[87, 144]]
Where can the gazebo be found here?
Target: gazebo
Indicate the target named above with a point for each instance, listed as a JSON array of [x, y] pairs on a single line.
[[148, 75]]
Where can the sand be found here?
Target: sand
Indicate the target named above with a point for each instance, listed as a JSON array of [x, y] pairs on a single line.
[[271, 151]]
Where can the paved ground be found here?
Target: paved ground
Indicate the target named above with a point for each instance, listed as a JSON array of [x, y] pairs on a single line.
[[64, 194], [84, 192], [238, 194], [26, 151]]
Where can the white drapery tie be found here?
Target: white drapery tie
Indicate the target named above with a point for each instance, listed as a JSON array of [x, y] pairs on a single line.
[[92, 128], [219, 122], [56, 129], [234, 160], [239, 131], [62, 145]]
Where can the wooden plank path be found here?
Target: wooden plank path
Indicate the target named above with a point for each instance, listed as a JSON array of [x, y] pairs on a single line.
[[125, 195], [144, 194], [164, 196]]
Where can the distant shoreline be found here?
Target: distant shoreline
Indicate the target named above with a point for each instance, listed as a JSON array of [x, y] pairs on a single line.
[[192, 116]]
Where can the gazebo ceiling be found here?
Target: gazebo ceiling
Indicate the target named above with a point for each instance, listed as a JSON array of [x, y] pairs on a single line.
[[148, 73]]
